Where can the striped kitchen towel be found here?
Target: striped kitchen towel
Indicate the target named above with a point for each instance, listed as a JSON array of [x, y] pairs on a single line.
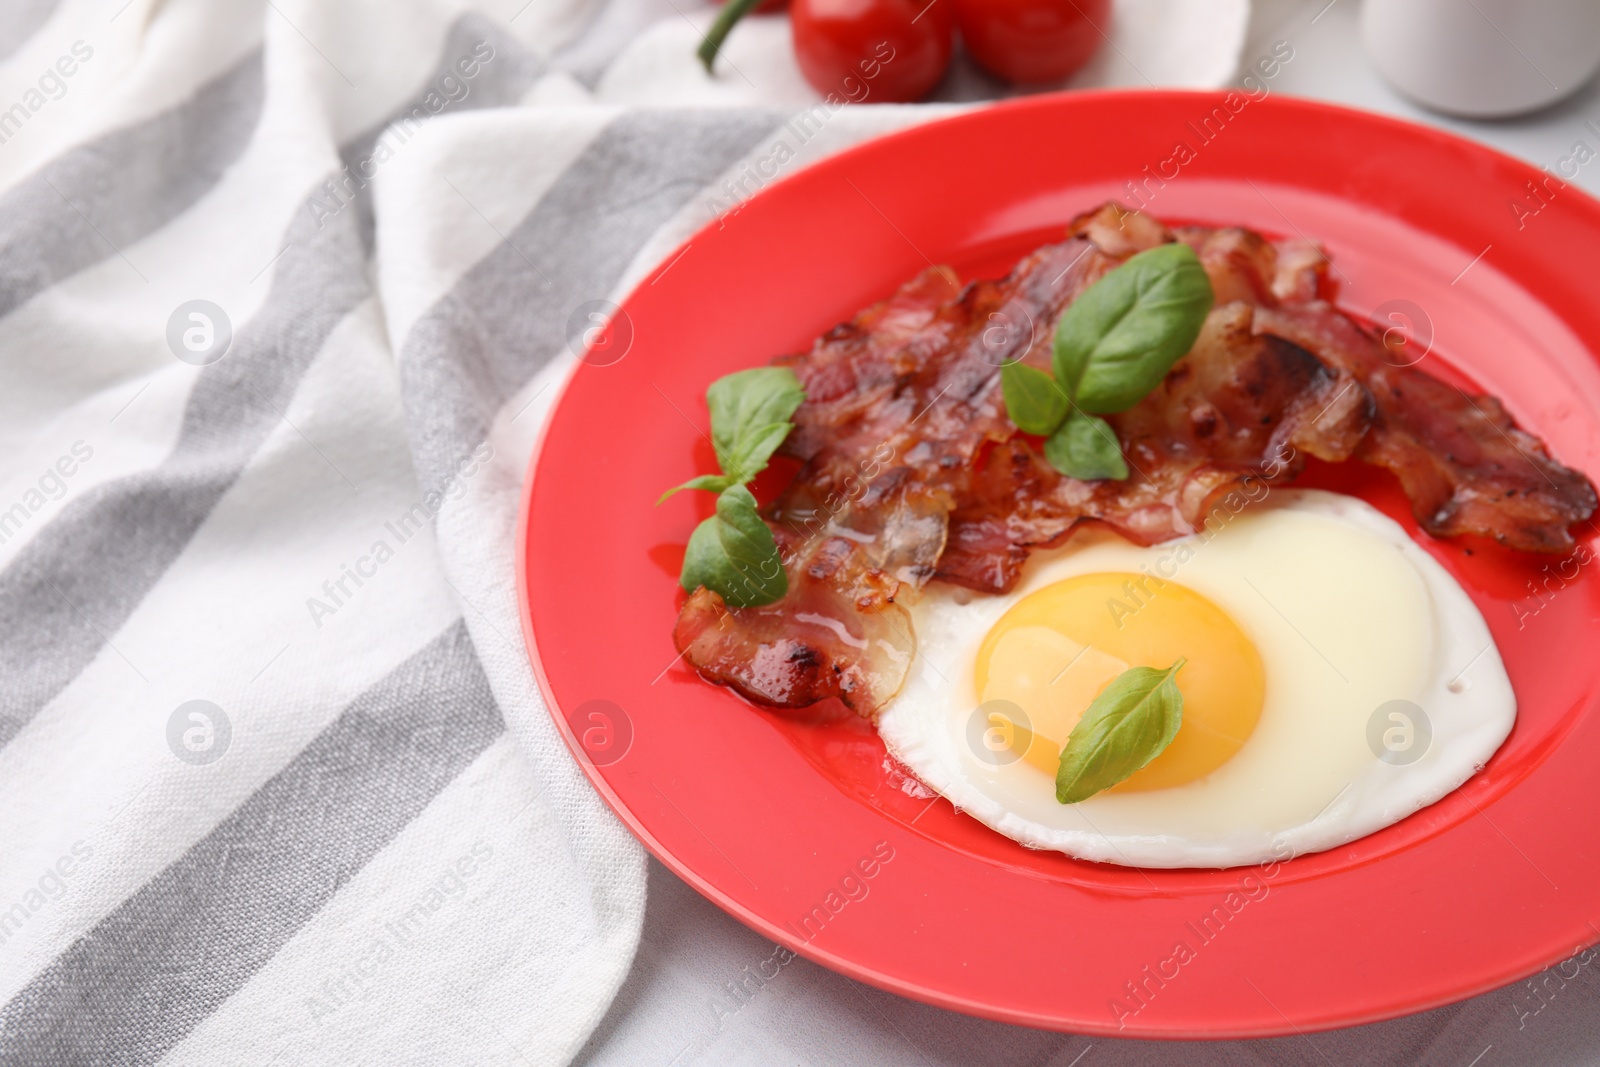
[[287, 288], [275, 784]]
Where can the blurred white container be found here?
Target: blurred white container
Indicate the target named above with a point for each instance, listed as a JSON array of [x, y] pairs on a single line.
[[1483, 58]]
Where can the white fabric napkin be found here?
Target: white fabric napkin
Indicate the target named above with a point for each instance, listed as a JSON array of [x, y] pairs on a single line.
[[275, 783]]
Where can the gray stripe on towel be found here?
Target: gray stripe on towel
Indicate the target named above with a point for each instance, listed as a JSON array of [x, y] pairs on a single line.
[[143, 977], [508, 315], [95, 200]]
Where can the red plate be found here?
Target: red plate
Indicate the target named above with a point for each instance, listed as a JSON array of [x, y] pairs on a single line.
[[803, 831]]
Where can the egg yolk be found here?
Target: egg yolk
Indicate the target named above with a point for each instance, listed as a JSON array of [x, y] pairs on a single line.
[[1058, 647]]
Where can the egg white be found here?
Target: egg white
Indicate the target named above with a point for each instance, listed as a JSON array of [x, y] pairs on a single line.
[[1348, 614]]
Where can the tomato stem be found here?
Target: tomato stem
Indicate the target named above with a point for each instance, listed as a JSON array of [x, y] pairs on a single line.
[[730, 14]]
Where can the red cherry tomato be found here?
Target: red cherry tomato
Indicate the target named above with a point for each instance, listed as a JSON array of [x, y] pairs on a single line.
[[1029, 42], [873, 51]]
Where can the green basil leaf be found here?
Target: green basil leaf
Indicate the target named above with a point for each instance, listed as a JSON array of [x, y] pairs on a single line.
[[754, 448], [750, 412], [1120, 337], [1033, 399], [1086, 448], [733, 554], [713, 483], [1129, 724]]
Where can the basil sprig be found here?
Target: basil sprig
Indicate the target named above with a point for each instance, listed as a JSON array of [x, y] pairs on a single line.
[[1129, 724], [1114, 344], [1086, 448], [733, 553], [1033, 399], [750, 412]]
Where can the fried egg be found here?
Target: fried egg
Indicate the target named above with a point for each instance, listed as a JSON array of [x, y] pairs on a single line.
[[1336, 680]]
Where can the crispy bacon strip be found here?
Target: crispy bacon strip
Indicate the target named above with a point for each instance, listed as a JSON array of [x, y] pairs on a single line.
[[1464, 464], [901, 402], [1232, 411], [1239, 409], [913, 471]]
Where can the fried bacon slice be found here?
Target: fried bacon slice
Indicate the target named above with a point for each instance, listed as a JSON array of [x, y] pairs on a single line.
[[912, 470], [901, 403], [1463, 463], [1239, 409]]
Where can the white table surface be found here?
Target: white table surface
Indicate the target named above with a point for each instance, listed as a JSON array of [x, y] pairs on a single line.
[[681, 1003]]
